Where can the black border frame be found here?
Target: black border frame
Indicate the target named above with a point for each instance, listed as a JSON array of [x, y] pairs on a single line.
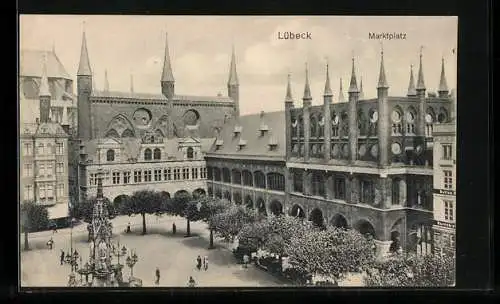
[[474, 139]]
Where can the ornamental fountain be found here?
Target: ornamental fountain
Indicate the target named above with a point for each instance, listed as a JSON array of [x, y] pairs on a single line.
[[103, 272]]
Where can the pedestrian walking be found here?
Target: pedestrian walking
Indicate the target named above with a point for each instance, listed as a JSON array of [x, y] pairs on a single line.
[[157, 273], [50, 243], [174, 228], [62, 257], [245, 261], [128, 228], [198, 262], [205, 263], [191, 282]]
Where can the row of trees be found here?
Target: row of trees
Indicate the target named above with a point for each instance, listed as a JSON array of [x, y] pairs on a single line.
[[34, 217], [330, 252]]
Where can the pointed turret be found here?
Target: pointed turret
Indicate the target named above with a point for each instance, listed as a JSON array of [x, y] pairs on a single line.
[[411, 86], [307, 90], [341, 92], [167, 77], [443, 85], [382, 80], [328, 89], [289, 97], [44, 83], [84, 66], [85, 83], [353, 86], [131, 83], [233, 85], [233, 75], [106, 82], [361, 93], [420, 80], [44, 93]]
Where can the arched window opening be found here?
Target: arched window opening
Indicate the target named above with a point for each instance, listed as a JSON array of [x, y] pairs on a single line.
[[316, 217], [217, 174], [301, 127], [227, 195], [236, 177], [335, 125], [410, 121], [276, 181], [396, 117], [147, 154], [313, 126], [226, 177], [260, 180], [190, 153], [157, 153], [248, 202], [367, 191], [298, 181], [321, 124], [247, 178], [318, 184], [237, 198], [110, 155]]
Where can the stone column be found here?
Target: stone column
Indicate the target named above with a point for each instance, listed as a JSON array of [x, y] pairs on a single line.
[[329, 185], [385, 186], [354, 194], [402, 192]]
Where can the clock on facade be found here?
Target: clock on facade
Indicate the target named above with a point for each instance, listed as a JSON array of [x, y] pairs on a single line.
[[396, 116], [428, 118], [362, 150], [396, 148], [335, 120], [374, 151], [374, 117], [410, 117]]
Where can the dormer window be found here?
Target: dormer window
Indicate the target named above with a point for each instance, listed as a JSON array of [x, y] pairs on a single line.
[[110, 155], [273, 143], [190, 153], [219, 143], [263, 129], [242, 143], [237, 130]]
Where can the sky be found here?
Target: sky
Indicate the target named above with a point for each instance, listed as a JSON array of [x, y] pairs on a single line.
[[200, 50]]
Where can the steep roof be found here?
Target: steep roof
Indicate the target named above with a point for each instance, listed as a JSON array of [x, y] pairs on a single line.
[[159, 96], [47, 129], [255, 144], [31, 64]]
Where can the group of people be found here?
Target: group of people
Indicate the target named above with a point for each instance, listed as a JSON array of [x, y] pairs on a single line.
[[202, 263], [63, 257]]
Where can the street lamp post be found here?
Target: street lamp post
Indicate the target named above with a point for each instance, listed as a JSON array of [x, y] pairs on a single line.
[[131, 260]]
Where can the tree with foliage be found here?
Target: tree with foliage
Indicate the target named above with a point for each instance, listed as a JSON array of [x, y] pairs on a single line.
[[184, 205], [34, 217], [252, 235], [281, 230], [229, 223], [143, 202], [413, 271], [84, 210], [209, 208], [331, 252]]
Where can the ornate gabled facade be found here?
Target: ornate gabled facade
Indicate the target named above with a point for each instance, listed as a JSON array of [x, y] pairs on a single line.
[[246, 164], [152, 162], [148, 122], [367, 163], [131, 114]]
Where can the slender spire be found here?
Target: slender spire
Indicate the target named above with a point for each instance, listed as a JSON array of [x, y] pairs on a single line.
[[443, 86], [167, 74], [328, 89], [44, 83], [307, 89], [353, 86], [84, 66], [106, 82], [131, 83], [289, 97], [361, 94], [411, 85], [420, 80], [233, 75], [341, 92], [382, 80]]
